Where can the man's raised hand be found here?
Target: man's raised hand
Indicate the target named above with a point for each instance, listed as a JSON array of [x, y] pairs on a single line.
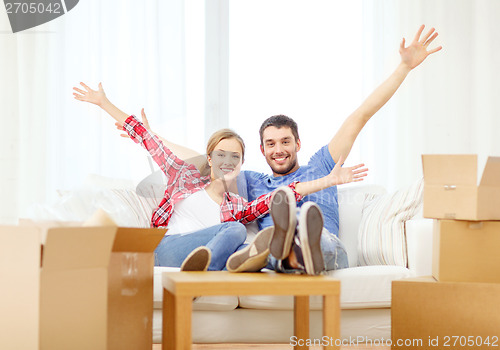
[[417, 52]]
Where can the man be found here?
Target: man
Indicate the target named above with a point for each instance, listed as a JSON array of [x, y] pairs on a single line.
[[280, 143]]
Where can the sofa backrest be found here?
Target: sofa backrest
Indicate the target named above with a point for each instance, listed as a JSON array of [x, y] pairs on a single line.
[[118, 197], [351, 199]]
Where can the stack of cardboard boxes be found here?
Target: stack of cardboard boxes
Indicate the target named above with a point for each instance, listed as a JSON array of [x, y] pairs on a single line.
[[88, 288], [459, 306]]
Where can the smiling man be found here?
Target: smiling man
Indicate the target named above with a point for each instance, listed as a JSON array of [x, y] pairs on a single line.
[[280, 143]]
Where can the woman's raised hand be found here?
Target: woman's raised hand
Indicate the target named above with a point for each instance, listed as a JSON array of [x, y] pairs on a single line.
[[96, 97]]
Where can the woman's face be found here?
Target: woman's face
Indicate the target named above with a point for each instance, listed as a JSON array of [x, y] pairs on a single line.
[[226, 159]]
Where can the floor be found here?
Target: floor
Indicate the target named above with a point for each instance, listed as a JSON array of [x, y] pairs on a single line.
[[270, 347]]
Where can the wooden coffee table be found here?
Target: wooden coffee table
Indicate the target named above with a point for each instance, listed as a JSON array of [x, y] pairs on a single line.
[[179, 289]]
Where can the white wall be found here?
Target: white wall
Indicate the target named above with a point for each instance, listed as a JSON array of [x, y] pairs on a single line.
[[295, 60]]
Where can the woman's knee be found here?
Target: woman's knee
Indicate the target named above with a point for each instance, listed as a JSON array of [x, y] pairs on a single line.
[[236, 229]]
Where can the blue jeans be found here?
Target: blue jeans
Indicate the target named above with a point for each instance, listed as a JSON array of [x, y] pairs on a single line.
[[334, 254], [223, 240]]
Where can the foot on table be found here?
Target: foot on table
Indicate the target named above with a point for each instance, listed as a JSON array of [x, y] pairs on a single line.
[[198, 260], [253, 257]]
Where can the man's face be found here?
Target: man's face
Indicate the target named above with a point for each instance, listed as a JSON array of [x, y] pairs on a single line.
[[280, 149]]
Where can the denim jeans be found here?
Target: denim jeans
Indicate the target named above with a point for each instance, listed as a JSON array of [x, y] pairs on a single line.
[[334, 254], [223, 240]]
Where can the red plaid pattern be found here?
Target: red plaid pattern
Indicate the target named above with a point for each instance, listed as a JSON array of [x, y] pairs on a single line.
[[184, 179]]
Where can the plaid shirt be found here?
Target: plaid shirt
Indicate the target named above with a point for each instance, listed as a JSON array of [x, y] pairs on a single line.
[[184, 179]]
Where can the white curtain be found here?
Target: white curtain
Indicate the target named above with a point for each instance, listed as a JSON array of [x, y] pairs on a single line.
[[313, 60], [447, 105], [138, 50]]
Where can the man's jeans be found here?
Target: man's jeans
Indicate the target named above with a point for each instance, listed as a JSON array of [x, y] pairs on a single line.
[[334, 254], [223, 240]]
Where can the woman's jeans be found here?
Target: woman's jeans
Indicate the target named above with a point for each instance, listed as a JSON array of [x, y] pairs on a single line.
[[223, 240]]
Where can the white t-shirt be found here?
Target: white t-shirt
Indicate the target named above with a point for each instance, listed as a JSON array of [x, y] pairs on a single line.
[[196, 212]]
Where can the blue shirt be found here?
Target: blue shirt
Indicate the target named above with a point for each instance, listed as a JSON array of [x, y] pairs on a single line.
[[252, 184]]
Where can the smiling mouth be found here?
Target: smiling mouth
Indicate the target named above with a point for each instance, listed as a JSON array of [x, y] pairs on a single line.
[[227, 170], [280, 160]]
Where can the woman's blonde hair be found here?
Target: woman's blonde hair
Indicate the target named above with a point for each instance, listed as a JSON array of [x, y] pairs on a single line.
[[224, 134]]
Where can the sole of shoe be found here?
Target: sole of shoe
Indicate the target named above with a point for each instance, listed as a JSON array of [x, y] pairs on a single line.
[[310, 230], [197, 260], [253, 257], [283, 209]]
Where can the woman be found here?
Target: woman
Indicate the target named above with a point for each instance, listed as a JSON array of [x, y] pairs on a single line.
[[200, 210]]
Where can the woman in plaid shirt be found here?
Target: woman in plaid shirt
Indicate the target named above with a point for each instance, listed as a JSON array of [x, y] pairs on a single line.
[[206, 213]]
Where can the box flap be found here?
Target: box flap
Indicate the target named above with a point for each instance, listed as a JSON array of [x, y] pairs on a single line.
[[142, 240], [450, 169], [78, 247], [491, 174]]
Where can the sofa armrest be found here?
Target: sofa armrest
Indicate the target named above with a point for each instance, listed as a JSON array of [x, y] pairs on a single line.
[[419, 246]]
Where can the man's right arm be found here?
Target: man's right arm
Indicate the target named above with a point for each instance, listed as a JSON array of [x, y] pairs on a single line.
[[411, 57]]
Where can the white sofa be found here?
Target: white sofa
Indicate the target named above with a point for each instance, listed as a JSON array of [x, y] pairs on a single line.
[[365, 291]]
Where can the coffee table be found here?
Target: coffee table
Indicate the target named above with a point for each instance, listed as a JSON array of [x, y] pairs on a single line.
[[179, 289]]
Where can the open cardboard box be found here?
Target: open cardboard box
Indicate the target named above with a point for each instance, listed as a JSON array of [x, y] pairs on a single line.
[[466, 251], [130, 290], [430, 315], [86, 297], [74, 287], [451, 190], [20, 290]]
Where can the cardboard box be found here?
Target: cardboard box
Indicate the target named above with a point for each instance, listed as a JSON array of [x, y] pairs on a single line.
[[78, 295], [60, 300], [451, 190], [20, 290], [130, 292], [74, 288], [466, 251], [427, 314]]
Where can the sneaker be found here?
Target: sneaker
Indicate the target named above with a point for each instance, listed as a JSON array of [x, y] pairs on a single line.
[[253, 257], [197, 260], [283, 211], [308, 239]]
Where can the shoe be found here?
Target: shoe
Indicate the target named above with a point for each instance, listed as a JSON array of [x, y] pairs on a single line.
[[308, 239], [197, 260], [283, 211], [253, 257]]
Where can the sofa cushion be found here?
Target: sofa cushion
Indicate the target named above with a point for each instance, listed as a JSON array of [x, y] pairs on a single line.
[[382, 238], [204, 303], [119, 198], [361, 288], [351, 200]]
